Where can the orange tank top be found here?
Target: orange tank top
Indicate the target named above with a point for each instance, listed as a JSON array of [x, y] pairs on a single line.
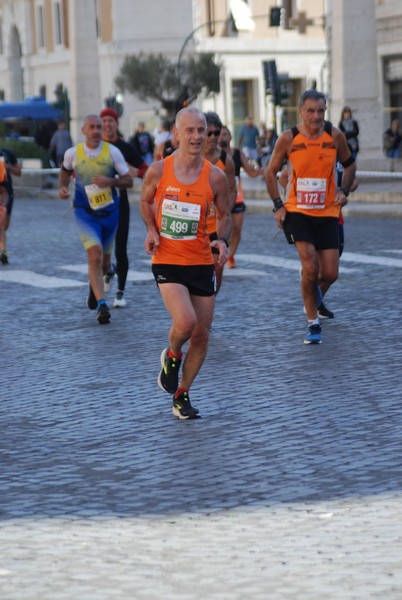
[[211, 221], [181, 212], [240, 195], [312, 175]]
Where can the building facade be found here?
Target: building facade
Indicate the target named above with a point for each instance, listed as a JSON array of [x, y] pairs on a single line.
[[313, 43], [48, 45]]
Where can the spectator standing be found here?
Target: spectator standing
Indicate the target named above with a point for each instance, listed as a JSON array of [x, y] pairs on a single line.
[[59, 143], [392, 140], [143, 143], [44, 135], [248, 140], [350, 128]]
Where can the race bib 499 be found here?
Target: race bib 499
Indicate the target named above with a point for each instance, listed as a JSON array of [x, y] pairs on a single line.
[[180, 220]]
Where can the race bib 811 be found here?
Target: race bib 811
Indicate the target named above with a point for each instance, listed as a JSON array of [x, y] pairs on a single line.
[[98, 197]]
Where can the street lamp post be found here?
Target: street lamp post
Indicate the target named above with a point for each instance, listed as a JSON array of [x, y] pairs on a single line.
[[198, 28], [187, 40]]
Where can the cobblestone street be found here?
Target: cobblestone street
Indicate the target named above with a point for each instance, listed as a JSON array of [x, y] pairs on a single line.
[[288, 488]]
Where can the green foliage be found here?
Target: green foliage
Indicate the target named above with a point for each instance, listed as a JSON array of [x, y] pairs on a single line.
[[25, 150], [153, 76], [203, 72], [147, 76]]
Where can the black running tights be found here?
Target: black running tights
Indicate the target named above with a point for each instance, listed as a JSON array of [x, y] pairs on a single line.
[[120, 245]]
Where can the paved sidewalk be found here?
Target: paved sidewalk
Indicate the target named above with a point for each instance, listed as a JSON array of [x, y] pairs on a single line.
[[288, 488]]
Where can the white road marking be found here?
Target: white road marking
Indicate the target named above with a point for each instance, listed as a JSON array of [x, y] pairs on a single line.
[[44, 281], [148, 276], [36, 280], [240, 271], [76, 268], [140, 276], [367, 259], [284, 263], [271, 261], [131, 276]]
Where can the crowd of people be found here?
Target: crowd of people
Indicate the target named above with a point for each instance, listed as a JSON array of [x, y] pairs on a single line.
[[193, 207]]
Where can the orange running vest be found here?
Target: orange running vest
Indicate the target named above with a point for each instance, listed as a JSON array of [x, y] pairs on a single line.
[[312, 175], [181, 212], [211, 221]]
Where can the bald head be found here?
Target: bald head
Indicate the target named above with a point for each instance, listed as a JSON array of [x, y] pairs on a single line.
[[189, 111], [190, 131]]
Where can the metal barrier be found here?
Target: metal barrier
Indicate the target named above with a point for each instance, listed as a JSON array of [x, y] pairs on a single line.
[[35, 180], [47, 178], [55, 170], [379, 175], [368, 174]]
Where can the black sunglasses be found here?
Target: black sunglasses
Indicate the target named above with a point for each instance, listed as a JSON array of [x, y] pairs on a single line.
[[215, 132]]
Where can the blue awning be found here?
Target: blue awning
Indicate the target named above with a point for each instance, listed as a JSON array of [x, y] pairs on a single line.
[[30, 109]]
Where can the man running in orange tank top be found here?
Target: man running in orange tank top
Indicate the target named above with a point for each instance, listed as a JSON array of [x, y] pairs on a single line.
[[240, 162], [313, 202], [178, 195], [222, 159]]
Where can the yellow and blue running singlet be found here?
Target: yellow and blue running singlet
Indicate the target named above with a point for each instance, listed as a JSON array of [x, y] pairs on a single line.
[[85, 170], [96, 209]]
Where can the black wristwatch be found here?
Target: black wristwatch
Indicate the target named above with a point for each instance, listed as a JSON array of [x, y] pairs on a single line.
[[346, 191], [277, 204], [224, 240]]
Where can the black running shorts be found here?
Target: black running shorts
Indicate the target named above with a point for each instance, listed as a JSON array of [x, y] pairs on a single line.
[[198, 279], [322, 232]]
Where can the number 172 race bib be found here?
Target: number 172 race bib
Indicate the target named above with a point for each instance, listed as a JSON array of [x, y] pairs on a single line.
[[311, 192]]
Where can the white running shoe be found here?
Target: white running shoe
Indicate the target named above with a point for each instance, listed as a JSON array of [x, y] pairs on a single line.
[[108, 279], [119, 301]]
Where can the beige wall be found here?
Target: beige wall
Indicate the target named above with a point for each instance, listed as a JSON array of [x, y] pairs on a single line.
[[66, 26], [128, 27], [219, 11], [106, 24], [33, 26], [48, 11]]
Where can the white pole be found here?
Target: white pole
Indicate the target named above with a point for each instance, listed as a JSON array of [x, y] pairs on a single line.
[[85, 79]]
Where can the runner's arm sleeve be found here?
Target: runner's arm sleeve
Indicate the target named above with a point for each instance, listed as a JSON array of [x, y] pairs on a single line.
[[69, 159], [119, 162]]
